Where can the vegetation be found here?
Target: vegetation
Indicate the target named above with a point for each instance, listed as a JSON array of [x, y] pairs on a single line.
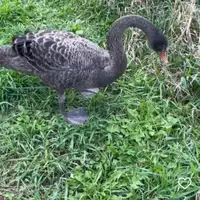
[[142, 140]]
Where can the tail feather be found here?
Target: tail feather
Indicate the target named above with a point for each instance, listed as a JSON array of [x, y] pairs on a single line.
[[21, 45]]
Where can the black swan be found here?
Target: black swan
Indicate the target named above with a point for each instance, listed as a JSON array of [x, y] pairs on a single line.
[[64, 60]]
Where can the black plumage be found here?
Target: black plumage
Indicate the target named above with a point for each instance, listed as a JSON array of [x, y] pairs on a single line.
[[64, 60]]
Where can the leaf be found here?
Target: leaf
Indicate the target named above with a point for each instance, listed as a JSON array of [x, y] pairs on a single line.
[[79, 32], [133, 113], [184, 84], [152, 133], [172, 120], [21, 108], [135, 183], [113, 128]]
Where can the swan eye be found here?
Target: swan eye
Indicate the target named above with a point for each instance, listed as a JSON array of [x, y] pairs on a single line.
[[159, 47], [159, 44]]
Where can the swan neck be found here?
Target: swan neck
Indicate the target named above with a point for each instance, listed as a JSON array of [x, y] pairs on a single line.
[[114, 39]]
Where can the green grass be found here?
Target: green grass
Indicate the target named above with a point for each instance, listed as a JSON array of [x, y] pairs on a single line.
[[142, 140]]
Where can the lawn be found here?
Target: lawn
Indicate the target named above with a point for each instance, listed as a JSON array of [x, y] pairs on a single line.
[[142, 140]]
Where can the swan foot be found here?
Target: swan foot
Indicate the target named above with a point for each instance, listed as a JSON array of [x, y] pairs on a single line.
[[77, 116], [89, 93]]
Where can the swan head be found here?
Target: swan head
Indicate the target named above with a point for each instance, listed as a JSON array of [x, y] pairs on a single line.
[[159, 44]]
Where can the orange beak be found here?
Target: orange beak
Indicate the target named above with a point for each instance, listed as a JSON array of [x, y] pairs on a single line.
[[163, 57]]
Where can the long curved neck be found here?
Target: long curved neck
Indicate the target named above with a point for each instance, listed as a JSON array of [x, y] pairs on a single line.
[[114, 39]]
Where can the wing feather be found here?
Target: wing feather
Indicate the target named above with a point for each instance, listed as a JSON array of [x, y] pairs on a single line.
[[58, 50]]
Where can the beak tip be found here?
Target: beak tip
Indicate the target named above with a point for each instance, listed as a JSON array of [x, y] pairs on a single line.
[[163, 57], [165, 62]]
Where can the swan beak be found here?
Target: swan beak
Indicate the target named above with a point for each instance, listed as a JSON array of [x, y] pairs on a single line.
[[163, 57]]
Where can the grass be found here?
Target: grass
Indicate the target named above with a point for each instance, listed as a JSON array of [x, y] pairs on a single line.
[[142, 138]]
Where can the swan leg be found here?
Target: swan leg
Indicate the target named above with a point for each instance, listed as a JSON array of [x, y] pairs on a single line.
[[77, 116], [61, 101], [89, 93]]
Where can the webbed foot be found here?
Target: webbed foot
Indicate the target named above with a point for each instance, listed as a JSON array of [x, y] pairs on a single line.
[[77, 116], [89, 93]]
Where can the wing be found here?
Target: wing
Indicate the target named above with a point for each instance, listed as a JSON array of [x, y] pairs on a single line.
[[58, 50]]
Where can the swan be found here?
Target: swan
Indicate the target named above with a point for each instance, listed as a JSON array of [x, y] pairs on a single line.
[[64, 60]]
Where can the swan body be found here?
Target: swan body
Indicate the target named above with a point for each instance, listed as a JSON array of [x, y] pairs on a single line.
[[64, 60]]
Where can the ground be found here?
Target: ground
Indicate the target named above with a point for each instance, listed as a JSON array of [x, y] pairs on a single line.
[[142, 140]]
